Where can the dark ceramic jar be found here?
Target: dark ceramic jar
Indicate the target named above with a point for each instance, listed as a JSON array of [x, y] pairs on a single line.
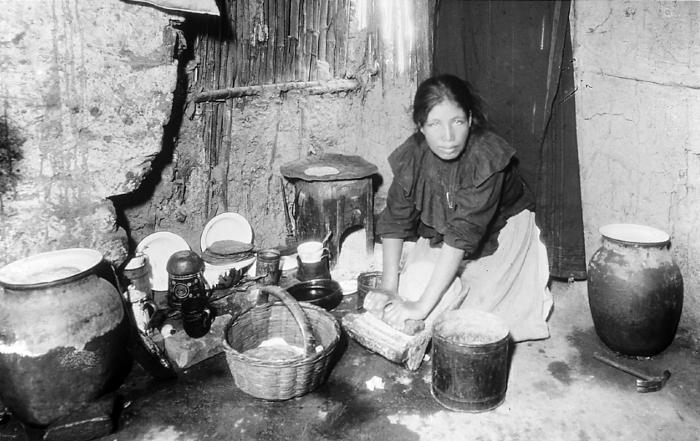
[[635, 290], [185, 278], [63, 333], [189, 292]]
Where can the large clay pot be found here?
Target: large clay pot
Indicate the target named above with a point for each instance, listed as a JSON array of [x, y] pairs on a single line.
[[63, 334], [635, 290]]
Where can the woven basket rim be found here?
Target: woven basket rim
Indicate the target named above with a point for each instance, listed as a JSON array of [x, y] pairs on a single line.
[[295, 362], [306, 359]]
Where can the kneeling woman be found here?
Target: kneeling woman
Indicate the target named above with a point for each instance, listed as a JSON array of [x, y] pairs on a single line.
[[457, 192]]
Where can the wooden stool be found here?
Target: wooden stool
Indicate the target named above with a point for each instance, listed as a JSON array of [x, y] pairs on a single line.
[[332, 193]]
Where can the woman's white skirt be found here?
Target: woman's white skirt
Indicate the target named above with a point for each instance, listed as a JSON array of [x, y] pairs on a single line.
[[511, 283]]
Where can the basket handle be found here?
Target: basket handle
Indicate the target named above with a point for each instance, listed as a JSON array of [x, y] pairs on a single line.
[[298, 314]]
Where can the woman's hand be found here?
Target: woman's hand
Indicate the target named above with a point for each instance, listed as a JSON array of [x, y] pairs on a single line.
[[376, 300], [396, 312]]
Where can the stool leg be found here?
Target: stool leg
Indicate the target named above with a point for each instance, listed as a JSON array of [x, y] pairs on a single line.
[[335, 238], [369, 218]]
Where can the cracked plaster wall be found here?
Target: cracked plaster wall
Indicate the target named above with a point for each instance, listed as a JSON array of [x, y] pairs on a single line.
[[267, 132], [88, 87], [637, 68]]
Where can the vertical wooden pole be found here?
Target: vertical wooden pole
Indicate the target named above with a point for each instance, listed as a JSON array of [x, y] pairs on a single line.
[[267, 61], [422, 53], [294, 39], [257, 51], [279, 30], [343, 28], [222, 65], [287, 46], [314, 19], [245, 43], [304, 41], [240, 44], [228, 110], [208, 129], [215, 59], [323, 30], [231, 61], [331, 35]]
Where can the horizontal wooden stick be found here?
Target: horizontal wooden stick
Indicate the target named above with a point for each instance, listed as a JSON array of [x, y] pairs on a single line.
[[312, 87]]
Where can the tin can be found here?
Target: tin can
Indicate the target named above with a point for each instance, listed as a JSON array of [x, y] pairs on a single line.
[[267, 265], [365, 283]]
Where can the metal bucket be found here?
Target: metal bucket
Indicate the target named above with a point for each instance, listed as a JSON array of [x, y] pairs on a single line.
[[470, 360], [365, 282]]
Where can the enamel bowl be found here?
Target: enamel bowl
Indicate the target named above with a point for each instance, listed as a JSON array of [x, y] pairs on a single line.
[[325, 293]]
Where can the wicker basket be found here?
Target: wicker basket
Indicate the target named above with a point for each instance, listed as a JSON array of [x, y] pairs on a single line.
[[299, 324]]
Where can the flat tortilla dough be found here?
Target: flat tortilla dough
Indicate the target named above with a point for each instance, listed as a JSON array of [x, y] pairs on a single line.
[[321, 171], [275, 349], [228, 247]]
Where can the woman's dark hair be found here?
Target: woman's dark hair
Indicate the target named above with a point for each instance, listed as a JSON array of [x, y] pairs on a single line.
[[437, 89]]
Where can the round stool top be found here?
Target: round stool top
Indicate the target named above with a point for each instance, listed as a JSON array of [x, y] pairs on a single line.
[[329, 167]]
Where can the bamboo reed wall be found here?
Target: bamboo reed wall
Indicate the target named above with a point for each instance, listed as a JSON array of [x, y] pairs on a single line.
[[320, 46], [263, 46], [276, 41]]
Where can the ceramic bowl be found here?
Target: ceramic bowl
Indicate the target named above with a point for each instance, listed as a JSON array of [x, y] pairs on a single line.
[[325, 293]]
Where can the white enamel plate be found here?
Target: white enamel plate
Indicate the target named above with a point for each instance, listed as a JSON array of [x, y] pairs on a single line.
[[158, 247], [226, 226]]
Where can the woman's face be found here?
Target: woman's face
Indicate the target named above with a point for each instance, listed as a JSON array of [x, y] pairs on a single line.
[[446, 130]]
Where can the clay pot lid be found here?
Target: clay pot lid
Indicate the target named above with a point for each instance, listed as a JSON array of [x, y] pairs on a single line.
[[329, 167]]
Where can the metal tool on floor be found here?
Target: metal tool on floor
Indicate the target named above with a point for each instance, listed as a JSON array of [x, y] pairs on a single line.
[[645, 382]]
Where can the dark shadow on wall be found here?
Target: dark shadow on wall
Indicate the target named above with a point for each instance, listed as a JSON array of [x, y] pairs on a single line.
[[183, 51], [11, 141]]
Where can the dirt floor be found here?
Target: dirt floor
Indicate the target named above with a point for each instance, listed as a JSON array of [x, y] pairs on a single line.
[[556, 391]]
